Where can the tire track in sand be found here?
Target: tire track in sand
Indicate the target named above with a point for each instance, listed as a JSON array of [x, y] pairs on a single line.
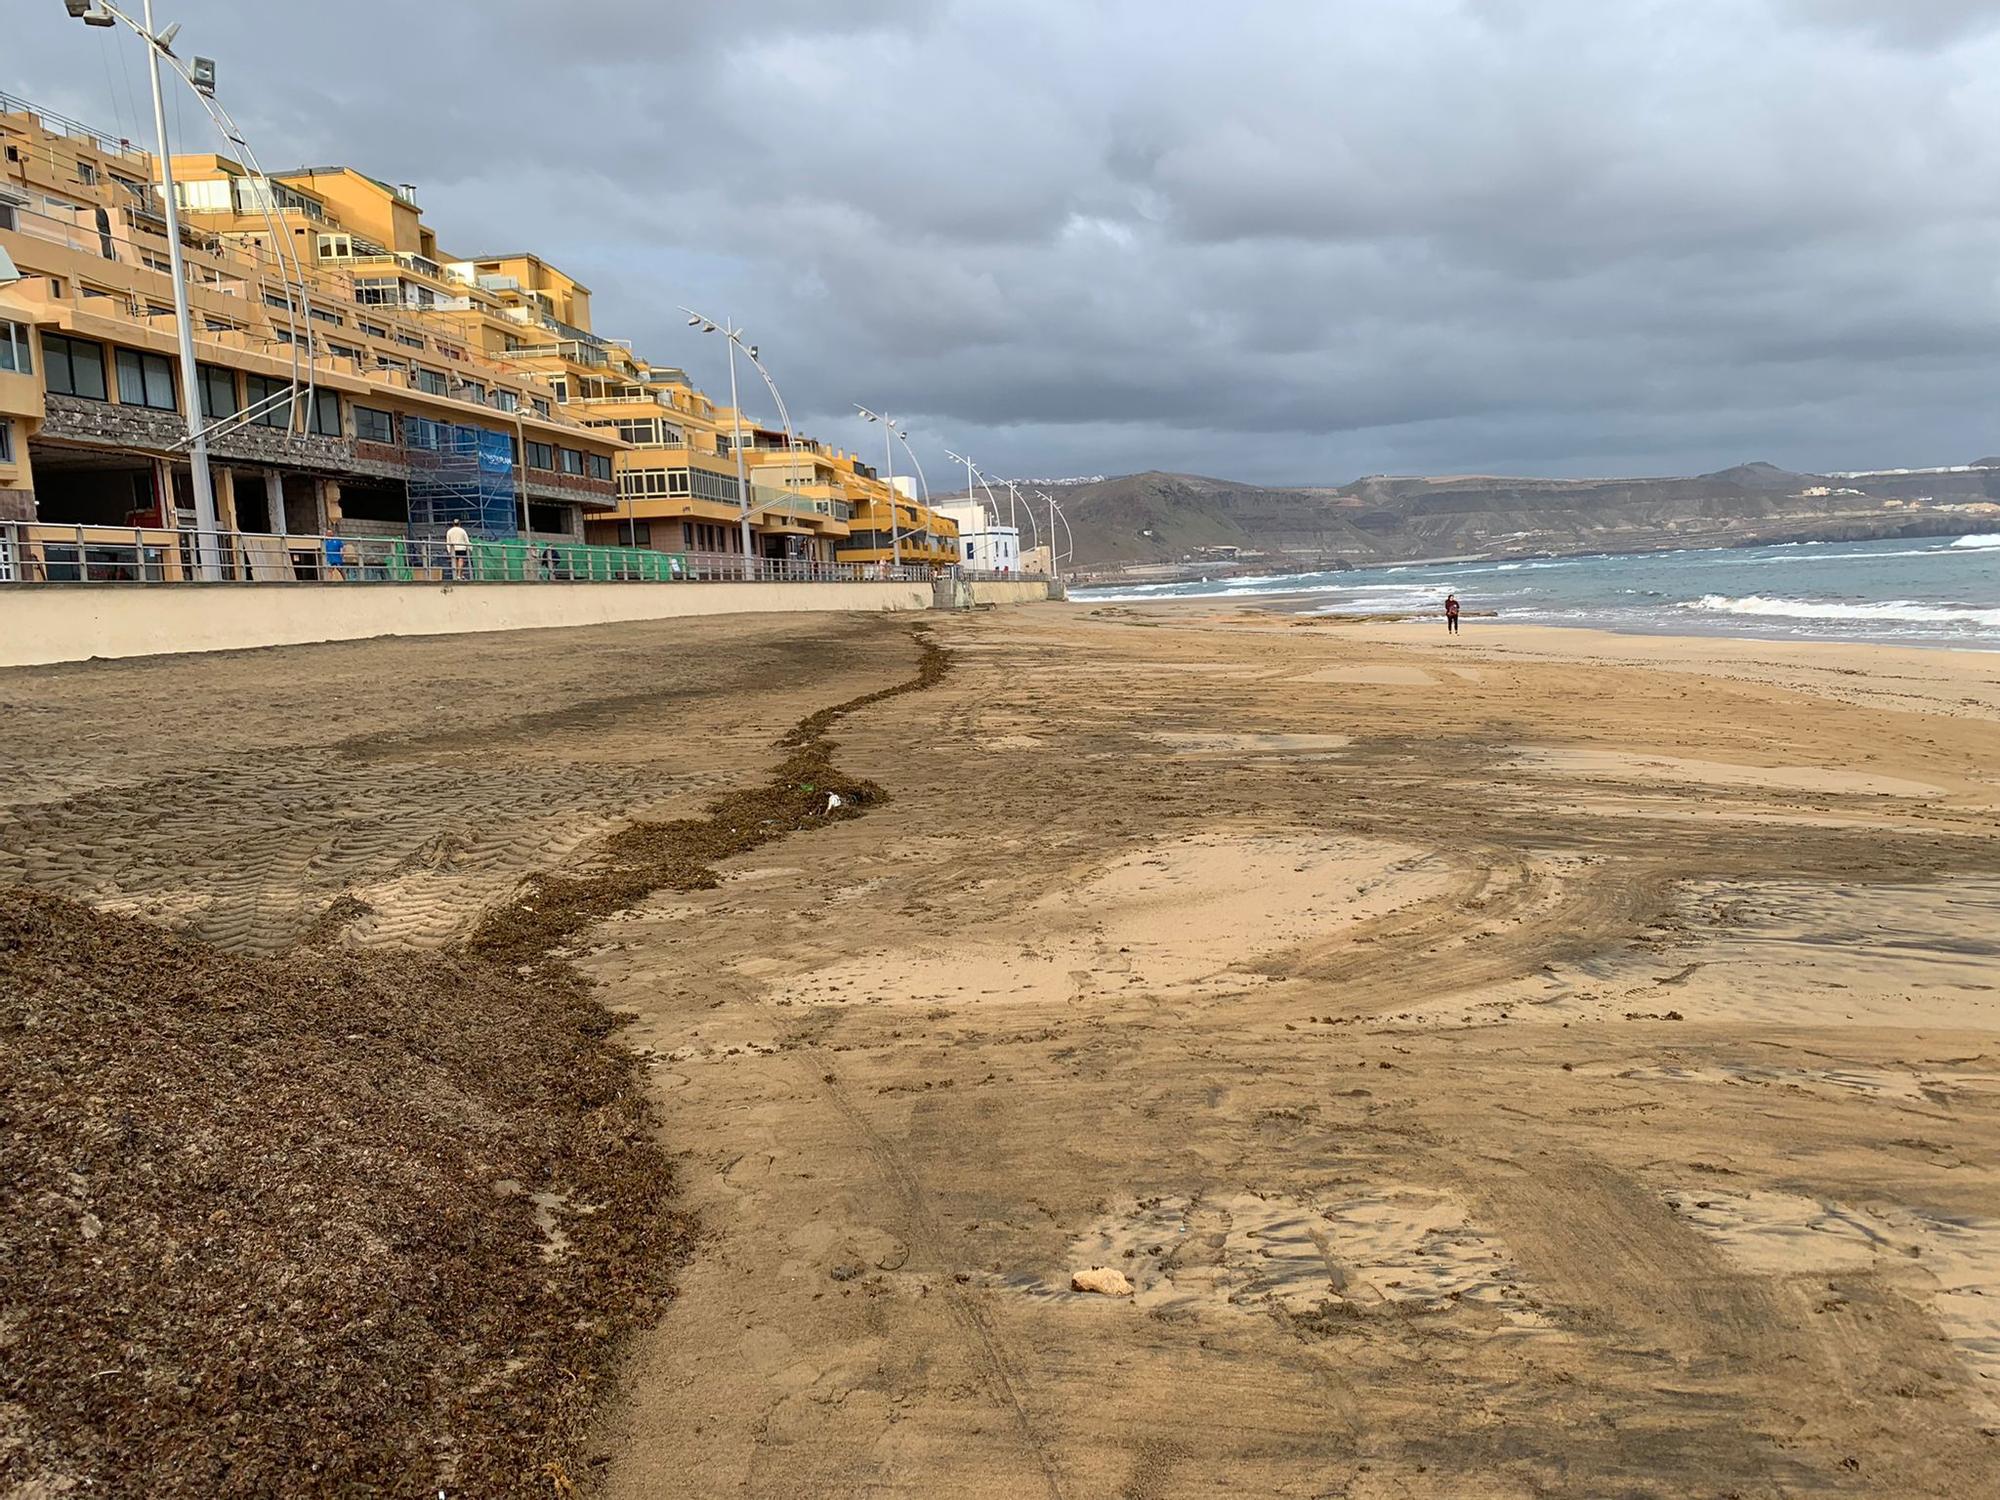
[[922, 1231]]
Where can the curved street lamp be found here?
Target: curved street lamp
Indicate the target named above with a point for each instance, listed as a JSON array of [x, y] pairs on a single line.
[[735, 336], [891, 427]]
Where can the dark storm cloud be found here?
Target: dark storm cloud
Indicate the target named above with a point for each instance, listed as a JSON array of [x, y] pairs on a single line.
[[1279, 241]]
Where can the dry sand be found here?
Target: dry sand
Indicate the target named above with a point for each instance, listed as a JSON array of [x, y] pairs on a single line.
[[1536, 1063], [1530, 1064]]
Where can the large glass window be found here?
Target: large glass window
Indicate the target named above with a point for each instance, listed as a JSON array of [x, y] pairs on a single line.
[[427, 380], [598, 466], [6, 441], [374, 426], [421, 432], [260, 389], [541, 455], [323, 416], [145, 381], [572, 460], [709, 486], [642, 482], [16, 353], [74, 367], [218, 392]]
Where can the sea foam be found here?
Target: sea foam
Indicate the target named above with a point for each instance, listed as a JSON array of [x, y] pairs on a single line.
[[1887, 610]]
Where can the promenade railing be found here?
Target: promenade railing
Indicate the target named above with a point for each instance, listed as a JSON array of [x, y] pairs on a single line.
[[33, 552]]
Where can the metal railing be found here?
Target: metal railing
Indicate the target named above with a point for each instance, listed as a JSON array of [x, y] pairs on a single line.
[[34, 552]]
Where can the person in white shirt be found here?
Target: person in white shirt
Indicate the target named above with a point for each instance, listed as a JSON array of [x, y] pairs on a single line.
[[458, 542]]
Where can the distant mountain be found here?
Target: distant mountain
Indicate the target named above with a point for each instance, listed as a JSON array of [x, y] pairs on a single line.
[[1157, 519]]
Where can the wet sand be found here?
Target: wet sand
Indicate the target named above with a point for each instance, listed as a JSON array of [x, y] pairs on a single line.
[[1536, 1063]]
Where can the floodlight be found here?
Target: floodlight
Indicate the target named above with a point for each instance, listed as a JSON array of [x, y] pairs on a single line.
[[165, 39]]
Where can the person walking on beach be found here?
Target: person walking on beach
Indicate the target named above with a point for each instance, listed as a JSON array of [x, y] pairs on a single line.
[[1451, 613], [458, 543]]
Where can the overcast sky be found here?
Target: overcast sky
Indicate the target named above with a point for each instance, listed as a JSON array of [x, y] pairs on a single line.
[[1285, 242]]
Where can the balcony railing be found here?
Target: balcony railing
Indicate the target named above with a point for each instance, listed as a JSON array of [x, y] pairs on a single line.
[[11, 104]]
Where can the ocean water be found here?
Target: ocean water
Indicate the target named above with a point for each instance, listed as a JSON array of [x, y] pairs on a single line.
[[1942, 591]]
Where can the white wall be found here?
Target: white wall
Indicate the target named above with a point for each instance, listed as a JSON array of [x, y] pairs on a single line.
[[52, 622]]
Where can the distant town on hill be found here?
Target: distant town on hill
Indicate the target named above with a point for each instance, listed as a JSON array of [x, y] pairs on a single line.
[[1173, 522]]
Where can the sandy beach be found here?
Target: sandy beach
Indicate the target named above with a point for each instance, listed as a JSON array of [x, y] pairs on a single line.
[[1534, 1063]]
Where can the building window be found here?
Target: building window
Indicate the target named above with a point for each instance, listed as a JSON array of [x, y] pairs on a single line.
[[324, 316], [422, 432], [270, 399], [410, 340], [541, 406], [6, 442], [572, 460], [145, 380], [427, 380], [598, 466], [373, 330], [373, 425], [323, 416], [86, 174], [541, 455], [16, 355], [560, 385], [218, 392], [637, 483], [74, 367]]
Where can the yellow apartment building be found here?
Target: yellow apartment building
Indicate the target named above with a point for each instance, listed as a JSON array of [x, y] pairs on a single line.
[[366, 383], [340, 411]]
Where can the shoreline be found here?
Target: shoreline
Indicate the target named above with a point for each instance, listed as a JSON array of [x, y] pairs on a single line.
[[1293, 606], [1934, 595]]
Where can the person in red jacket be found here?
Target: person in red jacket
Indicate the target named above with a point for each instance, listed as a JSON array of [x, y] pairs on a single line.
[[1451, 613]]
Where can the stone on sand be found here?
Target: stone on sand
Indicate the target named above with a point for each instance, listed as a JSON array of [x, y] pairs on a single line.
[[1103, 1280]]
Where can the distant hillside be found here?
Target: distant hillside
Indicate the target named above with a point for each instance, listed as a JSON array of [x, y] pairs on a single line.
[[1160, 519]]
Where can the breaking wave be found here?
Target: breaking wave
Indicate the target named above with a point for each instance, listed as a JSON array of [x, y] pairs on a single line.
[[1888, 611], [1982, 542]]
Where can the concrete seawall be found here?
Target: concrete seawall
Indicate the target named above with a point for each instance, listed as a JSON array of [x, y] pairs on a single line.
[[58, 622]]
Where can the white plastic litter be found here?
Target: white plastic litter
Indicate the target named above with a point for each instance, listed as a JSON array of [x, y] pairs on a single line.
[[832, 801]]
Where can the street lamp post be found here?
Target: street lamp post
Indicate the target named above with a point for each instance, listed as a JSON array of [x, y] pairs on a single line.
[[207, 554], [735, 337], [889, 428]]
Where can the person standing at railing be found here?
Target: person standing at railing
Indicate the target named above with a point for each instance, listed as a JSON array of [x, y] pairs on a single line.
[[458, 543]]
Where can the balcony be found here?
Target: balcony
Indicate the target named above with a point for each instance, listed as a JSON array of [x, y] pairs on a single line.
[[549, 484], [102, 424]]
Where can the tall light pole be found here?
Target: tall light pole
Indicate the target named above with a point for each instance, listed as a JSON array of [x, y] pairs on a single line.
[[1055, 567], [208, 558], [972, 499], [889, 477], [735, 336]]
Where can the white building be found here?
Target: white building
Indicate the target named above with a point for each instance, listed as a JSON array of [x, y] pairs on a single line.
[[984, 545]]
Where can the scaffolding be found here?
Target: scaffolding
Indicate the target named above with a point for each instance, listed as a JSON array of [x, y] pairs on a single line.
[[460, 475]]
